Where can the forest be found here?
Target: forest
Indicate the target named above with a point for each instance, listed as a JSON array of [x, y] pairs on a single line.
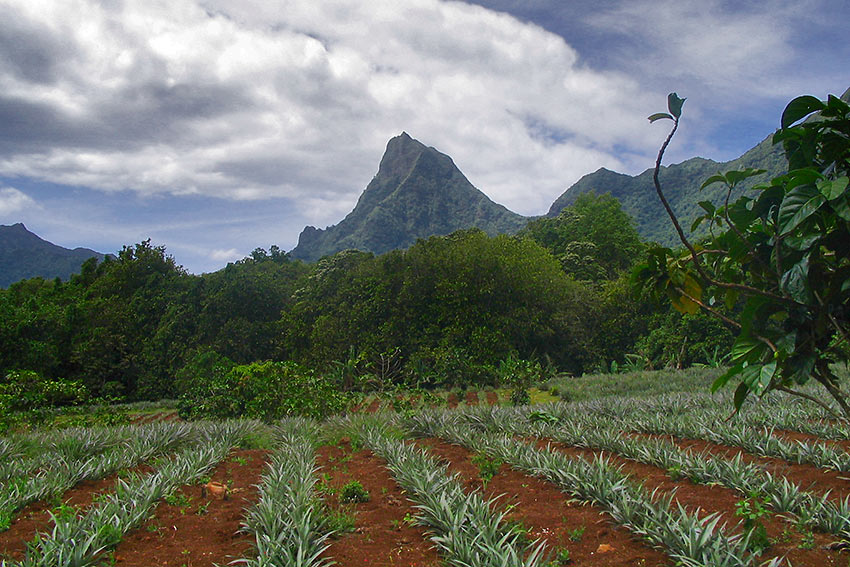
[[448, 311]]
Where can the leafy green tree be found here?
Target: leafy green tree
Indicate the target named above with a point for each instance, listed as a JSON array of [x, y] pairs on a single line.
[[783, 252], [594, 239]]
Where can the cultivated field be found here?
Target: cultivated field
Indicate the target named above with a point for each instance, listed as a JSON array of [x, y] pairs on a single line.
[[670, 479]]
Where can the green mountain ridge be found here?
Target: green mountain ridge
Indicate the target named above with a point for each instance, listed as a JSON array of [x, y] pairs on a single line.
[[681, 184], [24, 255], [418, 192]]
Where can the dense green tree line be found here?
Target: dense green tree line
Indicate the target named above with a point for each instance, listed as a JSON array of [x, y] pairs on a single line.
[[448, 310]]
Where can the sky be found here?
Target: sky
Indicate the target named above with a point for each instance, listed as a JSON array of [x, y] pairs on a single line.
[[213, 127]]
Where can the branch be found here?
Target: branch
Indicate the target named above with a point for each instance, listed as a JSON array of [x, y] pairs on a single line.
[[724, 318], [822, 404], [694, 255]]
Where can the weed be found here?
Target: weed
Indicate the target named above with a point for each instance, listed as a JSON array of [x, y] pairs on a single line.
[[487, 467], [577, 534], [339, 520], [752, 510], [354, 492], [239, 460]]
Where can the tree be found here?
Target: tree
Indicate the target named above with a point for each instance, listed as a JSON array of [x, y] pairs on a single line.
[[594, 239], [781, 253]]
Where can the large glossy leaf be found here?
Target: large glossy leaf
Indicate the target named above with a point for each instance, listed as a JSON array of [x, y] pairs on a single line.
[[833, 188], [799, 204], [841, 206], [804, 242], [795, 281], [748, 349], [799, 108]]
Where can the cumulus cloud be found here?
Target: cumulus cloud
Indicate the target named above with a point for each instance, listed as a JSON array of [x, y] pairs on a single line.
[[270, 99], [13, 201]]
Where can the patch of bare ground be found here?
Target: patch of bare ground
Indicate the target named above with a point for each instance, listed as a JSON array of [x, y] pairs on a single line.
[[492, 398], [195, 527], [383, 535], [471, 398], [801, 548], [452, 400], [548, 514], [36, 518]]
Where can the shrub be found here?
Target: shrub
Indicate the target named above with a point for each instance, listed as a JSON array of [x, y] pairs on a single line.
[[263, 390]]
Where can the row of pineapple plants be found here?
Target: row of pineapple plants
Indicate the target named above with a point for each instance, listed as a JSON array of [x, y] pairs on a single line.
[[78, 540], [119, 451], [467, 528], [287, 522], [594, 432], [687, 538]]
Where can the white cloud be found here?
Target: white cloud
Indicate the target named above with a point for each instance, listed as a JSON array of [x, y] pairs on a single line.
[[223, 256], [256, 100], [13, 201]]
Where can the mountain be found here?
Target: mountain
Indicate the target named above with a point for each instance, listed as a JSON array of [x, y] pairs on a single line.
[[24, 255], [418, 192], [680, 182]]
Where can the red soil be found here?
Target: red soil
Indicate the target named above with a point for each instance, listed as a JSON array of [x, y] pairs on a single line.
[[492, 398], [549, 514], [381, 536], [452, 401], [201, 531], [471, 398], [36, 517]]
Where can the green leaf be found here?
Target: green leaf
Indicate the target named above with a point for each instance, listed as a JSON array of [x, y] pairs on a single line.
[[707, 206], [723, 379], [834, 188], [766, 374], [796, 281], [799, 108], [734, 177], [748, 349], [799, 204], [802, 243], [741, 393], [711, 180], [659, 116], [674, 104], [841, 206]]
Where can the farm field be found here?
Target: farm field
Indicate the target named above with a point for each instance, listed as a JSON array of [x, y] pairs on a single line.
[[667, 479]]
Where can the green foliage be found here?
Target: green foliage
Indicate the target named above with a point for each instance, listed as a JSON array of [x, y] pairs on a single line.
[[24, 390], [782, 254], [263, 390], [354, 492], [593, 238], [752, 511], [487, 467]]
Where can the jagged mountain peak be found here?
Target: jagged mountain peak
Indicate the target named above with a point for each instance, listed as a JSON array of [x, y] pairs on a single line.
[[418, 192]]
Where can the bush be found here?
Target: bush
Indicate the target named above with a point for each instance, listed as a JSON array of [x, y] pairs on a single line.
[[265, 391], [26, 390]]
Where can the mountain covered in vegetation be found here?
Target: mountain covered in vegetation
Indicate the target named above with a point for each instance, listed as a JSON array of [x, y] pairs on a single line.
[[24, 255], [681, 183], [418, 192]]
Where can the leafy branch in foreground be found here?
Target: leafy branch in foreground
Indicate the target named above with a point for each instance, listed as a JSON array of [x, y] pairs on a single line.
[[780, 253]]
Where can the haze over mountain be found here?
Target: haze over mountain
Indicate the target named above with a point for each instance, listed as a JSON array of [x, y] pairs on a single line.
[[24, 255], [418, 192]]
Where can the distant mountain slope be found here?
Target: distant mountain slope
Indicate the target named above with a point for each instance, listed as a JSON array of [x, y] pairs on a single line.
[[24, 255], [681, 184], [418, 192]]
